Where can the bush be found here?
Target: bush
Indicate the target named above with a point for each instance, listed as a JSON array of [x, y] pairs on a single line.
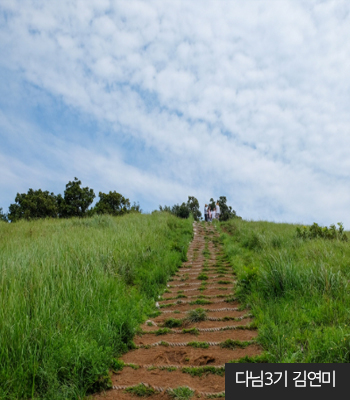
[[317, 232]]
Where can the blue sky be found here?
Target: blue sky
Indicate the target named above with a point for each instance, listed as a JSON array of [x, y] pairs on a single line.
[[160, 100]]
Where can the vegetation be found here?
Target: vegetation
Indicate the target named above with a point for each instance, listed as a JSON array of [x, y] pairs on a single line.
[[199, 345], [141, 390], [74, 203], [297, 288], [73, 294], [192, 331], [3, 216], [197, 315], [185, 209], [181, 393], [263, 358], [315, 231], [232, 344], [172, 323], [115, 204], [207, 369], [162, 331], [226, 212], [216, 396], [200, 302]]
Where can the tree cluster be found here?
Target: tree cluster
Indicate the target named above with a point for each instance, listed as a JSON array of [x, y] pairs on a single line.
[[192, 207], [185, 209], [74, 203]]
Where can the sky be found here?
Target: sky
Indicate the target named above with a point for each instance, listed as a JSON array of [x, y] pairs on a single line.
[[160, 100]]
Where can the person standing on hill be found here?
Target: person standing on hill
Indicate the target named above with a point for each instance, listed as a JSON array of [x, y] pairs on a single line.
[[209, 214], [217, 210], [213, 214], [206, 212]]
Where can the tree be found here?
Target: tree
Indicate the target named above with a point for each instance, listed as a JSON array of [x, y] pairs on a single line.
[[136, 208], [76, 200], [182, 211], [193, 205], [113, 203], [212, 204], [226, 212], [32, 205], [3, 217], [165, 209]]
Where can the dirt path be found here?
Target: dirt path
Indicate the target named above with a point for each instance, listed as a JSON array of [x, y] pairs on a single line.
[[200, 327]]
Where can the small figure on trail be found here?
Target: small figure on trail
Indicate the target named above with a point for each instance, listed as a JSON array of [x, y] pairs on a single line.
[[209, 214], [206, 212], [217, 211], [213, 214]]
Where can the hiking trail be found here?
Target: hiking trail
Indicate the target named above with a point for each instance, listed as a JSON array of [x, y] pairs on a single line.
[[200, 327]]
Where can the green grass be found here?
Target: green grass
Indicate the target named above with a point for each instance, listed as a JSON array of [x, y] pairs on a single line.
[[162, 331], [222, 270], [198, 345], [172, 323], [206, 252], [192, 331], [202, 277], [298, 290], [141, 390], [73, 293], [263, 358], [200, 301], [181, 393], [167, 305], [216, 396], [196, 315], [206, 370]]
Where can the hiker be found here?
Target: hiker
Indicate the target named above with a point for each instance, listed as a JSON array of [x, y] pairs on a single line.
[[217, 211], [206, 212], [213, 213], [209, 214]]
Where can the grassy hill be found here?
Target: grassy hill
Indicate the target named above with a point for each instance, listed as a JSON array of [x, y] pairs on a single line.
[[73, 293], [298, 289]]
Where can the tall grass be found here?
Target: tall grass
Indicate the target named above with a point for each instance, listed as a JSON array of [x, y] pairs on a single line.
[[72, 294], [297, 289]]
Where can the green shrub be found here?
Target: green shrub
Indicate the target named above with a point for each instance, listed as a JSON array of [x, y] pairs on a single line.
[[141, 390], [200, 301], [315, 231], [172, 323], [232, 344], [207, 369], [197, 315], [192, 331], [162, 331], [199, 345], [181, 393]]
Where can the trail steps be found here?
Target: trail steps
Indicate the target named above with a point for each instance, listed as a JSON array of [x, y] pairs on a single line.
[[191, 354]]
